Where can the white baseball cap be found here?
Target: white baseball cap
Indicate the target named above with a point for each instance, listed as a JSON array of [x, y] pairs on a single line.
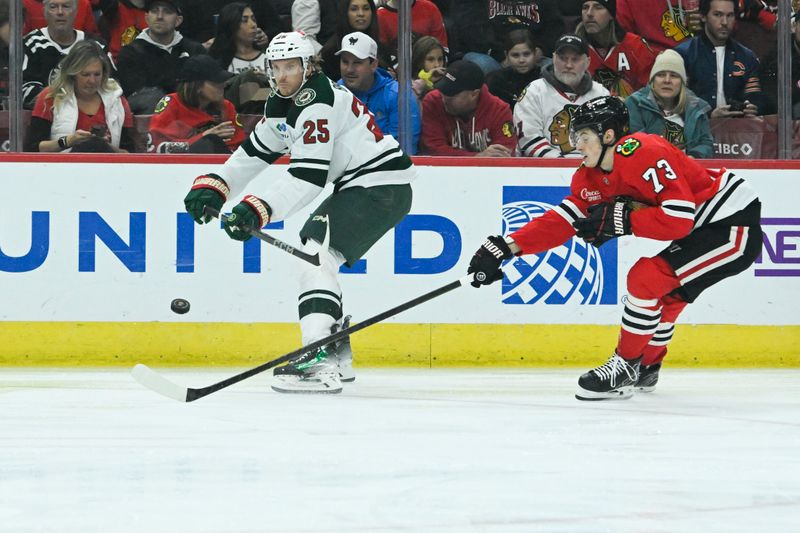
[[360, 45]]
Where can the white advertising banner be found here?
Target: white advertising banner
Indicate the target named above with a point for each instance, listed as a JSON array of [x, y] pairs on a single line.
[[111, 242]]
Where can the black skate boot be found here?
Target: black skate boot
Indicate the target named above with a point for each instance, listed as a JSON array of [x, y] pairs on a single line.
[[648, 377], [315, 372], [344, 353], [612, 381]]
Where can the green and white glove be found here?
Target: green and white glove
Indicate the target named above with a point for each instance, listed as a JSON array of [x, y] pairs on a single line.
[[207, 190], [251, 213]]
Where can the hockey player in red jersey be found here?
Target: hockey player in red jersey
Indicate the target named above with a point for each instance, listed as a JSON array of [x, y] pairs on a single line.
[[640, 185]]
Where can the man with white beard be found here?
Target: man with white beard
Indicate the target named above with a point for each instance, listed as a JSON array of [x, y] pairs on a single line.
[[545, 108]]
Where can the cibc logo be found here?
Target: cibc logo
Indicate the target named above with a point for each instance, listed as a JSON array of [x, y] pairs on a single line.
[[780, 256]]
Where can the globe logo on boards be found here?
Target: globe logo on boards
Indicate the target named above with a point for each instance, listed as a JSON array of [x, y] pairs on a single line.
[[572, 273]]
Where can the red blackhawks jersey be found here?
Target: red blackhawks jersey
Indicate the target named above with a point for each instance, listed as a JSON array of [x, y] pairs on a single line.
[[680, 194], [175, 122], [625, 68]]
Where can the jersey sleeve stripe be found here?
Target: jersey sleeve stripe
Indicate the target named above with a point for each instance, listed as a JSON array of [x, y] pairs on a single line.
[[568, 211], [678, 209], [250, 149], [313, 176], [309, 164]]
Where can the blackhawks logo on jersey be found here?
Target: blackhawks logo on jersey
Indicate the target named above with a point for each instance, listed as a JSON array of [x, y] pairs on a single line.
[[628, 147], [304, 97], [162, 104]]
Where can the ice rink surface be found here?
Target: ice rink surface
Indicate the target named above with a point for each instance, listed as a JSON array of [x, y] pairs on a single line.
[[400, 450]]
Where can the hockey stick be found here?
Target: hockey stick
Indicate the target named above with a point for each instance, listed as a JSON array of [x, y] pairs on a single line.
[[269, 239], [156, 382]]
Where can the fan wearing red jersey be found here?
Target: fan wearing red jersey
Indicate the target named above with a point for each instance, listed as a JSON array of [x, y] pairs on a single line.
[[640, 185]]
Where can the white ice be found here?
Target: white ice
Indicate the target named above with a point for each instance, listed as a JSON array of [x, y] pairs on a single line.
[[400, 450]]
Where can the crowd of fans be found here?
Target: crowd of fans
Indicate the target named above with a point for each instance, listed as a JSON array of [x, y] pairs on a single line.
[[492, 77]]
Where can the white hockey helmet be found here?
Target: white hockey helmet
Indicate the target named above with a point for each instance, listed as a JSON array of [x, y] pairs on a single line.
[[289, 45]]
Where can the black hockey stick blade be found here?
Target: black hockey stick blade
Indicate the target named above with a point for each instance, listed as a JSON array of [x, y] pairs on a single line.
[[158, 383], [269, 239]]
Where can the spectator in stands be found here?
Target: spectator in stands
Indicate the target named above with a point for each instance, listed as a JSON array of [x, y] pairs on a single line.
[[44, 48], [544, 112], [619, 60], [428, 60], [121, 22], [374, 86], [425, 20], [737, 92], [83, 109], [541, 17], [667, 107], [461, 117], [233, 47], [662, 23], [481, 27], [770, 75], [522, 55], [315, 18], [200, 22], [148, 66], [352, 15], [34, 17], [197, 118]]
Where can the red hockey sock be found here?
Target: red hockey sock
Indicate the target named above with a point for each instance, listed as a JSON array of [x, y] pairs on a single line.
[[649, 280]]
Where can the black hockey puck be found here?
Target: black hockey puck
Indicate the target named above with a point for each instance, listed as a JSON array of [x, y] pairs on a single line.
[[180, 306]]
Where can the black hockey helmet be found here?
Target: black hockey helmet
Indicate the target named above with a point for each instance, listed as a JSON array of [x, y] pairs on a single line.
[[601, 114]]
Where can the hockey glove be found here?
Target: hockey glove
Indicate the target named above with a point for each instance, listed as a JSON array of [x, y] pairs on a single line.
[[606, 221], [250, 213], [485, 264], [209, 190]]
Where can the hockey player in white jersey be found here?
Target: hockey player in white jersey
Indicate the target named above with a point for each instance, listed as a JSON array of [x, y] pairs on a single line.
[[331, 138]]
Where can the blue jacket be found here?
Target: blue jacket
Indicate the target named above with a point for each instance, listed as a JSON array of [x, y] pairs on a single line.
[[381, 100], [741, 71], [646, 116]]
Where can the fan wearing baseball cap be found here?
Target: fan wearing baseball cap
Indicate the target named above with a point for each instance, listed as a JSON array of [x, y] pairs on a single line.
[[461, 117], [375, 87], [544, 111], [619, 60], [197, 118]]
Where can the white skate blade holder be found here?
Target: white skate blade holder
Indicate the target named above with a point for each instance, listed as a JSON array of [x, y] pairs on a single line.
[[320, 383]]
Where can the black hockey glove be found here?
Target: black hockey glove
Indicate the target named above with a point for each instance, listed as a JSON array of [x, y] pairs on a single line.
[[606, 221], [209, 190], [485, 264], [250, 213]]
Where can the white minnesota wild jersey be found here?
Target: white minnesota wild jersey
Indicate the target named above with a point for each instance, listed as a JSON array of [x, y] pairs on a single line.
[[331, 138]]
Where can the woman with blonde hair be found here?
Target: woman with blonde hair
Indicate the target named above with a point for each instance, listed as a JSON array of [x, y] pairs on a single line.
[[83, 109], [667, 107]]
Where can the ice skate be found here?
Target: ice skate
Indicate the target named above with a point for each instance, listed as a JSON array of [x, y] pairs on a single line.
[[615, 380], [344, 353], [648, 377], [315, 372]]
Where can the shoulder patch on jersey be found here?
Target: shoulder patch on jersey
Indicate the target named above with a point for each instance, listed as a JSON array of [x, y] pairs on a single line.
[[162, 104], [628, 147], [305, 97], [508, 129], [522, 94]]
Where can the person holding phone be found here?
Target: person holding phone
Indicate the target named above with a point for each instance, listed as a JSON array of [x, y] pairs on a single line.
[[83, 109], [196, 118], [721, 70]]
